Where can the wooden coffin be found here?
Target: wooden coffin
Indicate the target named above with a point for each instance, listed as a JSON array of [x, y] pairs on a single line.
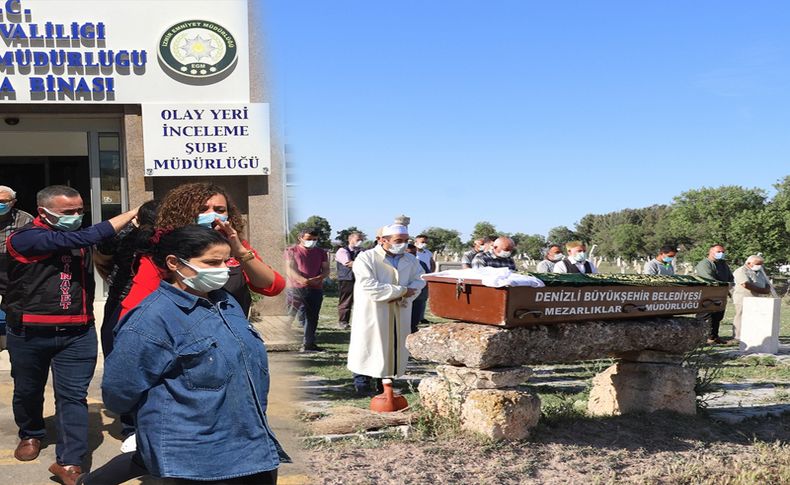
[[468, 300]]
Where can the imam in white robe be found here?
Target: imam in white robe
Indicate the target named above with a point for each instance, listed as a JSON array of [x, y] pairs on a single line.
[[378, 327]]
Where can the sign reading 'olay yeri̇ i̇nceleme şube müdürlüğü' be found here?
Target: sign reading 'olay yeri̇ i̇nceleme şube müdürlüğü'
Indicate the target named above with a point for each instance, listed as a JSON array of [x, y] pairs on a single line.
[[206, 139]]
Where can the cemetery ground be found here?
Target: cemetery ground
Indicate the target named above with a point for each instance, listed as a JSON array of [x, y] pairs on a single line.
[[739, 436]]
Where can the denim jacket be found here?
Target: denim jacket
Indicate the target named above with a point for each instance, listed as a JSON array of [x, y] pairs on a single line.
[[196, 374]]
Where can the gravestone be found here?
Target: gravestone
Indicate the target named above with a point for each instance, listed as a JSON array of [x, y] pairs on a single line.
[[760, 325]]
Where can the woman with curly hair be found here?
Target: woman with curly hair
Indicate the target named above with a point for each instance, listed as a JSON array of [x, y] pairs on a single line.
[[208, 205]]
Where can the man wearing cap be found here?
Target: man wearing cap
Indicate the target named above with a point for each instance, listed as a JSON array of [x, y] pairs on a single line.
[[500, 255], [387, 282], [576, 261]]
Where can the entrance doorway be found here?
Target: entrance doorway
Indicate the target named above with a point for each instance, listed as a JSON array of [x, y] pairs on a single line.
[[83, 153], [28, 174]]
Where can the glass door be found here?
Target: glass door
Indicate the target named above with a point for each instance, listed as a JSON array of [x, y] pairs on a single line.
[[81, 150]]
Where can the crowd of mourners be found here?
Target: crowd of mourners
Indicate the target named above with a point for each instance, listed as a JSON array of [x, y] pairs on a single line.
[[184, 369], [372, 281]]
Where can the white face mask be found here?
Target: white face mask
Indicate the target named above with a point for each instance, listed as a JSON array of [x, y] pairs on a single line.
[[420, 245], [502, 254], [397, 248], [206, 279], [309, 244], [757, 267], [358, 244], [557, 257], [580, 257]]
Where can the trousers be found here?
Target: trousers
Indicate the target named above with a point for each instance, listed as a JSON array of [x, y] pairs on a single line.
[[71, 353]]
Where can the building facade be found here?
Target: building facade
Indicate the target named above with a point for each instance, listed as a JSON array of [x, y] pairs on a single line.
[[126, 99]]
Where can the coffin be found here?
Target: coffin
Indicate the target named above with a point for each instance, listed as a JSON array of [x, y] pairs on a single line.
[[569, 298]]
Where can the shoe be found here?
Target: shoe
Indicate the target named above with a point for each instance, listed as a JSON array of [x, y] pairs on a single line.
[[343, 325], [722, 341], [712, 341], [364, 391], [27, 449], [67, 474], [129, 444], [311, 348], [425, 320]]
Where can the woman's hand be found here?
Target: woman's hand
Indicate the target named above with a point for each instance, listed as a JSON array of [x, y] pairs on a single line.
[[237, 249]]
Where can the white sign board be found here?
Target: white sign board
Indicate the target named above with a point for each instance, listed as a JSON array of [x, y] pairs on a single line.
[[206, 139], [124, 51]]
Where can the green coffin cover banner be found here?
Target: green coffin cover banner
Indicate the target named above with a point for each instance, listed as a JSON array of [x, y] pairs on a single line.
[[580, 279]]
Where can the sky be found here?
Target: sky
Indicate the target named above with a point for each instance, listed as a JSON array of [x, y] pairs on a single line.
[[525, 114]]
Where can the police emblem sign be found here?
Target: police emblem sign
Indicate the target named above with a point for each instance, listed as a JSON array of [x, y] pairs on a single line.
[[198, 52]]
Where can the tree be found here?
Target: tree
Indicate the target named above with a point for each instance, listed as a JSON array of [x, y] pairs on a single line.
[[704, 217], [313, 222], [628, 241], [342, 236], [779, 210], [655, 228], [561, 235], [482, 229], [441, 240], [759, 231], [585, 228], [780, 203], [530, 244]]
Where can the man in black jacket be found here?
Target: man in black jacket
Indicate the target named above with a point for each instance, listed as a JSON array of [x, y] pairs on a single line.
[[49, 309]]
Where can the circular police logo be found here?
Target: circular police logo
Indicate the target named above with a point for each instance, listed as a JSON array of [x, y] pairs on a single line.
[[198, 52]]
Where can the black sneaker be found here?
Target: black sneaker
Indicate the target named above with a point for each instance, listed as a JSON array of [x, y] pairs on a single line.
[[310, 348], [364, 391], [425, 320], [377, 385]]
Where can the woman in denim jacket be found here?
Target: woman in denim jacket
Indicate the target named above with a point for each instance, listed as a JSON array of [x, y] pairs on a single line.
[[195, 373]]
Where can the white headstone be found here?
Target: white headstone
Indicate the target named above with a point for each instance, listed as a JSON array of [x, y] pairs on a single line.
[[760, 325]]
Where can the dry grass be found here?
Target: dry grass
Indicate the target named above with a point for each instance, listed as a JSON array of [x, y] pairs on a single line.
[[652, 449]]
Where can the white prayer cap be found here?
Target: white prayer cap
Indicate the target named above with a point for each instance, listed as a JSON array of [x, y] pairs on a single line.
[[394, 229]]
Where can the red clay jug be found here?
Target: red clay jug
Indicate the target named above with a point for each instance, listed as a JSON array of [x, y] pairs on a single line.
[[388, 401]]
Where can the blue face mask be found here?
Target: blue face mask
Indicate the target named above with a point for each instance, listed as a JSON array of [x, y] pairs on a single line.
[[718, 255], [207, 219], [667, 259], [64, 222], [4, 208]]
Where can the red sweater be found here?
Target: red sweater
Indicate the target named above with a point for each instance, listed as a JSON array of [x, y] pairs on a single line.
[[148, 277]]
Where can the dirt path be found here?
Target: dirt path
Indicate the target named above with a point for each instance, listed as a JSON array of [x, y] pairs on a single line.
[[635, 449]]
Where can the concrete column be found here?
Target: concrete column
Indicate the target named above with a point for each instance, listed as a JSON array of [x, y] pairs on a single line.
[[140, 187], [267, 197]]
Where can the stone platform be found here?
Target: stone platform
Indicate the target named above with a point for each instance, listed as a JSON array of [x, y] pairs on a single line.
[[486, 346], [481, 369]]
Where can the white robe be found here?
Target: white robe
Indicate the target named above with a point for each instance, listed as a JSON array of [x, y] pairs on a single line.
[[379, 328]]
